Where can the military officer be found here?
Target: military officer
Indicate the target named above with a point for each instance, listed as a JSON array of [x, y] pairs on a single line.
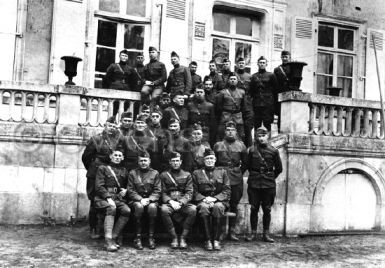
[[264, 165], [139, 71], [218, 82], [155, 75], [177, 193], [177, 110], [97, 152], [226, 70], [202, 111], [179, 79], [198, 146], [160, 136], [208, 86], [212, 195], [195, 78], [126, 123], [263, 90], [110, 194], [144, 190], [231, 155], [229, 104], [120, 75]]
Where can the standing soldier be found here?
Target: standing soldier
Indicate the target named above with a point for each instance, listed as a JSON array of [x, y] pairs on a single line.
[[97, 152], [110, 189], [195, 78], [229, 104], [231, 155], [202, 111], [177, 192], [120, 75], [179, 79], [126, 123], [248, 116], [155, 75], [264, 167], [161, 139], [212, 195], [139, 71], [198, 147], [208, 86], [177, 110], [216, 77], [144, 189], [226, 71], [263, 90]]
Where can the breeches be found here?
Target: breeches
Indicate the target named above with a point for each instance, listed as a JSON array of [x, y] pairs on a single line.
[[217, 210]]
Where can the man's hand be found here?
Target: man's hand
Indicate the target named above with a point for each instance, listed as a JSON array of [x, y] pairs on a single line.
[[123, 192], [111, 202], [211, 199], [145, 201], [175, 204]]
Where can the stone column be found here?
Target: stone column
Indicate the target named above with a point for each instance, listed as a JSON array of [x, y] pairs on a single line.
[[294, 112]]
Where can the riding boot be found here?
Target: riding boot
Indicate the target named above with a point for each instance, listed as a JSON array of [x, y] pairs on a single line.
[[182, 242], [206, 224], [118, 228], [217, 233], [266, 237]]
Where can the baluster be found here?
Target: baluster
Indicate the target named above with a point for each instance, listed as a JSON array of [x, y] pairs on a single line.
[[23, 105], [340, 119], [321, 120], [366, 130], [57, 108], [329, 130], [311, 117], [357, 122], [374, 124], [382, 132], [88, 112], [46, 108], [348, 122], [11, 104], [99, 114], [35, 106], [110, 108], [121, 107]]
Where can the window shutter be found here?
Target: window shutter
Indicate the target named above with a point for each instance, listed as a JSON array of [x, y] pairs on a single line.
[[303, 49], [176, 9], [371, 81]]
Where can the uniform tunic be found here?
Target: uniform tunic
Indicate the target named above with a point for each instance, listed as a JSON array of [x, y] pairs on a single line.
[[218, 81], [144, 184], [120, 76], [175, 112], [155, 71], [179, 80], [137, 142], [196, 81]]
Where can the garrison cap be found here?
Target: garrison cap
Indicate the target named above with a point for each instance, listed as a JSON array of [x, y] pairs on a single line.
[[262, 130], [194, 63], [152, 49], [111, 119], [141, 117], [124, 51], [126, 115], [145, 107], [285, 53], [225, 60], [174, 155], [177, 93], [262, 58], [208, 152], [157, 110], [174, 54], [173, 121], [232, 74], [197, 126], [213, 61], [143, 154], [240, 59], [230, 124]]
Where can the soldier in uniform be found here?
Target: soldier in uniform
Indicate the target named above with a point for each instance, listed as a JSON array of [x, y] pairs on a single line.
[[139, 71], [97, 152], [155, 75], [110, 189], [218, 82], [164, 101], [120, 75], [244, 83], [202, 111], [179, 79], [144, 190], [229, 104], [177, 193], [263, 90], [212, 195], [126, 123], [195, 78], [264, 167], [198, 147], [226, 70], [177, 110], [231, 155], [161, 139], [208, 86]]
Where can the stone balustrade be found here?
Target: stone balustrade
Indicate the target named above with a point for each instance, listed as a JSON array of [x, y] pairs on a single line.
[[330, 116]]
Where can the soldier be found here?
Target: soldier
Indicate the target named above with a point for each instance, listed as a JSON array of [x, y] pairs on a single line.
[[179, 79], [198, 147], [110, 189], [264, 167], [97, 152], [202, 111], [209, 91], [126, 123], [232, 156], [138, 141], [195, 78], [244, 83], [217, 78], [212, 195], [177, 192], [139, 71], [145, 112], [155, 74], [161, 139], [144, 189], [177, 110], [120, 75], [229, 104], [263, 90], [226, 70], [164, 101]]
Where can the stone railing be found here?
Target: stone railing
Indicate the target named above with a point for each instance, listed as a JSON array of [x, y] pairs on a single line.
[[330, 116]]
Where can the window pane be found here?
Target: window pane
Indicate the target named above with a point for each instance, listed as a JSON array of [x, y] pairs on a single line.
[[243, 50], [346, 84], [325, 36], [345, 39], [222, 22], [323, 82], [133, 36], [109, 5], [325, 63], [345, 66], [243, 26], [104, 57], [136, 7], [220, 50], [106, 33]]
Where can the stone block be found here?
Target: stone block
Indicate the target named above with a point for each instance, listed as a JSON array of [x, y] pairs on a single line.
[[82, 181], [297, 218], [8, 181], [48, 180], [30, 179], [63, 206], [58, 180], [21, 208], [70, 181], [66, 156]]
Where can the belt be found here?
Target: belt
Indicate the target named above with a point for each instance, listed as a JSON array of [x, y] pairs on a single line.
[[263, 170], [113, 190], [231, 112]]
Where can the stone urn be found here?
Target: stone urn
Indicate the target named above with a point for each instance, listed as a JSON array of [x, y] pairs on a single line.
[[334, 91], [296, 68], [71, 65]]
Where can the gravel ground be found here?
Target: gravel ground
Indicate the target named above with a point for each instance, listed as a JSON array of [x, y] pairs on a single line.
[[61, 246]]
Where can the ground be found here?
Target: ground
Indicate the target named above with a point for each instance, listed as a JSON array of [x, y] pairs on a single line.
[[62, 246]]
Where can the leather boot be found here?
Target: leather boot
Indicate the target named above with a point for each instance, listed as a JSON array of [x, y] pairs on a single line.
[[138, 242], [217, 245], [233, 235], [208, 245], [110, 245], [217, 233], [151, 228], [266, 237], [117, 231], [151, 242], [206, 225], [174, 241], [251, 236], [108, 226], [182, 242]]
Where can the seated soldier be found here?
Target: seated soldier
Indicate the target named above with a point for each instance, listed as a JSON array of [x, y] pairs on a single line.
[[212, 195], [177, 191], [110, 188], [144, 189]]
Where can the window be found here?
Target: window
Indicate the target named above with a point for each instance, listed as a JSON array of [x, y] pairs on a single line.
[[335, 59], [121, 24], [234, 36]]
